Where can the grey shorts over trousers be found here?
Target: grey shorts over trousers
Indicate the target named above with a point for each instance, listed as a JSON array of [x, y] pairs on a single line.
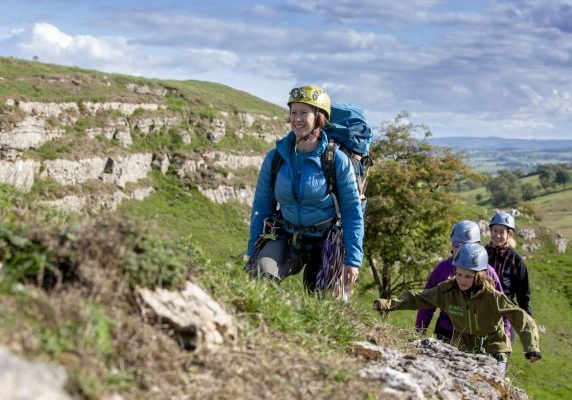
[[279, 259]]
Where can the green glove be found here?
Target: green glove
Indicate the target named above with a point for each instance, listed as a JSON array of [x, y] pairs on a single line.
[[381, 305]]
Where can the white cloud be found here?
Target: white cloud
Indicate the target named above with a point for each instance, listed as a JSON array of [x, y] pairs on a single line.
[[207, 58], [52, 45], [482, 66]]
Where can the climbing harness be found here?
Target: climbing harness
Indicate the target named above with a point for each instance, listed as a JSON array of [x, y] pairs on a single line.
[[270, 231]]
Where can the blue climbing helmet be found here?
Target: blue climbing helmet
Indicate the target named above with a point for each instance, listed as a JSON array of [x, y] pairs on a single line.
[[503, 218], [471, 256], [466, 232]]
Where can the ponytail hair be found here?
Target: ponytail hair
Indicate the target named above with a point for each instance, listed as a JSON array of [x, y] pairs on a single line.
[[482, 278]]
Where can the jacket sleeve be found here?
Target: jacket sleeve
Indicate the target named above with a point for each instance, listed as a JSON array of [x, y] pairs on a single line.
[[264, 202], [350, 209], [413, 300], [522, 323], [498, 288], [425, 315], [522, 288]]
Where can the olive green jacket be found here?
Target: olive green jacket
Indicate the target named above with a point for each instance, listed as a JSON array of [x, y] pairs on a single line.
[[476, 318]]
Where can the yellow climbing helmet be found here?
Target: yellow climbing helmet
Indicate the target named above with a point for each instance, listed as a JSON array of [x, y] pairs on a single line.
[[313, 96]]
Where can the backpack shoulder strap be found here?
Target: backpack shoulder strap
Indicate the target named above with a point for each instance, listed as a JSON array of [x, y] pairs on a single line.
[[328, 159], [277, 162]]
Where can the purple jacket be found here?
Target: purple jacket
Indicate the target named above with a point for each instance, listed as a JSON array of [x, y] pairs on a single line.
[[444, 326]]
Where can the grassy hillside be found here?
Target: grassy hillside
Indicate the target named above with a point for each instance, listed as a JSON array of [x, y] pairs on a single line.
[[552, 208], [34, 81], [67, 292]]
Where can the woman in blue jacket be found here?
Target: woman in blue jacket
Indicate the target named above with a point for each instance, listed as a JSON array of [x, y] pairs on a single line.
[[294, 237]]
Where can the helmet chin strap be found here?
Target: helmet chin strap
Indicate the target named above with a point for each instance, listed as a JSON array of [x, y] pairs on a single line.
[[305, 137]]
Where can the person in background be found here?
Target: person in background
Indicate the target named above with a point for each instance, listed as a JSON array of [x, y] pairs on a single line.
[[284, 242], [475, 308], [463, 232], [507, 263]]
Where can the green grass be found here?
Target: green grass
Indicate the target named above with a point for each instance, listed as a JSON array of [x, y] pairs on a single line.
[[552, 307], [216, 231], [552, 208], [37, 81], [555, 211]]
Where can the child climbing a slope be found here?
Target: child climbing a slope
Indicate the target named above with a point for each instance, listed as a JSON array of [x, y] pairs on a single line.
[[475, 309]]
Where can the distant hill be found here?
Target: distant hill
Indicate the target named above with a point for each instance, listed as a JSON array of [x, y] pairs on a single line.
[[491, 154]]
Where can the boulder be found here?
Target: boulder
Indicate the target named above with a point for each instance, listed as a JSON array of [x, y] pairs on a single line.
[[198, 321]]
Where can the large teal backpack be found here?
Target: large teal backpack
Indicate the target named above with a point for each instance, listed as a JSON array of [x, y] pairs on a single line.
[[349, 130]]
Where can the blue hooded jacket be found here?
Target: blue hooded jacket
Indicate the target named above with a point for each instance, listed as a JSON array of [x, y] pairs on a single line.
[[313, 204]]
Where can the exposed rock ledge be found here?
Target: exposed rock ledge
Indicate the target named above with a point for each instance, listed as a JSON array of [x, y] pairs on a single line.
[[438, 371], [118, 170], [26, 380], [97, 202], [19, 174], [55, 109], [224, 194]]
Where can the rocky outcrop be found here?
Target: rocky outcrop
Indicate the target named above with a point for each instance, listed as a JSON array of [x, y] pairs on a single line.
[[199, 322], [248, 119], [19, 173], [118, 170], [527, 234], [97, 202], [47, 110], [185, 166], [233, 161], [30, 380], [223, 194], [484, 227], [114, 129], [30, 133], [123, 169], [68, 172], [144, 89], [217, 130], [147, 125], [123, 108], [437, 371], [561, 244]]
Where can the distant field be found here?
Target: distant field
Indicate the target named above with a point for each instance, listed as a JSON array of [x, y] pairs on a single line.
[[554, 209], [527, 161], [493, 154]]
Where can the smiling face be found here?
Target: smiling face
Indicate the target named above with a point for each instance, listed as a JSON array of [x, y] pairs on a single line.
[[499, 235], [302, 119], [465, 278]]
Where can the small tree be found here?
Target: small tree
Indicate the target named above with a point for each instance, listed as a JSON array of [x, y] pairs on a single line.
[[562, 175], [505, 189], [409, 210], [528, 191], [547, 176]]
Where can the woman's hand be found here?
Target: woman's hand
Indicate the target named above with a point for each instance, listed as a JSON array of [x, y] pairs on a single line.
[[380, 304], [533, 356], [350, 274]]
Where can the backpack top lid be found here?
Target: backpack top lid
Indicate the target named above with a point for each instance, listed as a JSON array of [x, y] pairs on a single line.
[[349, 128]]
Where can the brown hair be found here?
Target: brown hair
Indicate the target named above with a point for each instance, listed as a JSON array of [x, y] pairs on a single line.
[[482, 278], [321, 119]]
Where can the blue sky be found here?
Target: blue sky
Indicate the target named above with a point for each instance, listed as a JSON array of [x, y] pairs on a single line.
[[464, 68]]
